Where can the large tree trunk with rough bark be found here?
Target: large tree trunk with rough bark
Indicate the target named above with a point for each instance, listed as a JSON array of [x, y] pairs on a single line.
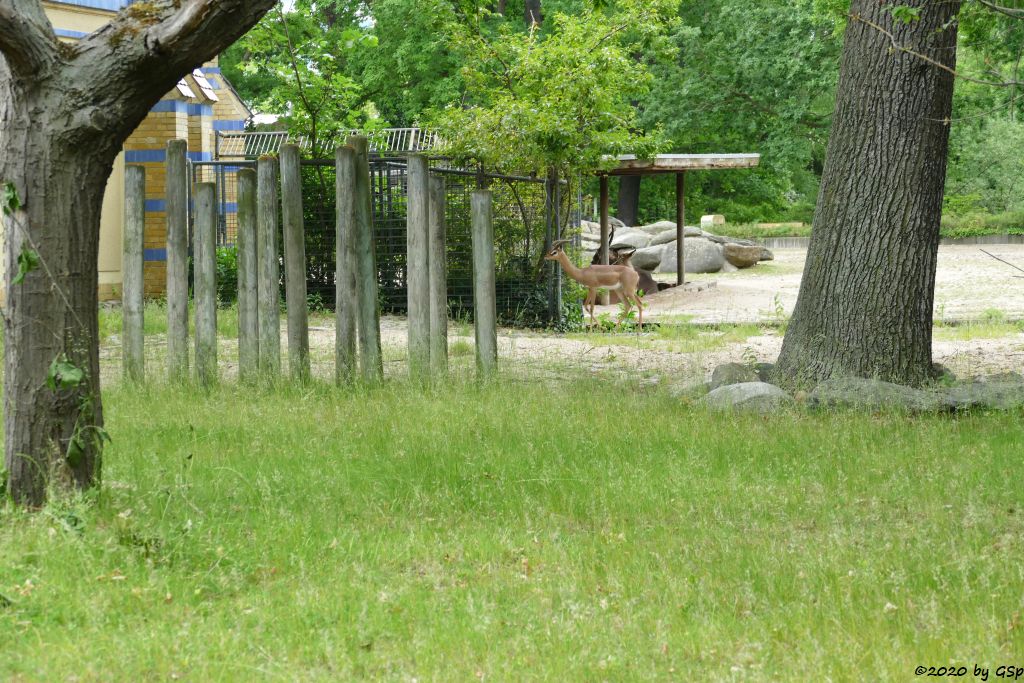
[[629, 199], [65, 111], [865, 304]]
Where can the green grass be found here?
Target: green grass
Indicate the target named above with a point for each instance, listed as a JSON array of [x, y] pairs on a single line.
[[517, 531], [678, 338]]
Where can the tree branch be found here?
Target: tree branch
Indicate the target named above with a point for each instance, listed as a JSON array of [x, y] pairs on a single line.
[[145, 50], [26, 38], [1008, 11]]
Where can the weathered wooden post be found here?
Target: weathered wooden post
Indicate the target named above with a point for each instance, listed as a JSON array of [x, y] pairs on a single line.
[[438, 262], [484, 305], [370, 361], [248, 312], [418, 266], [205, 268], [680, 227], [132, 285], [345, 266], [177, 260], [294, 263], [269, 277]]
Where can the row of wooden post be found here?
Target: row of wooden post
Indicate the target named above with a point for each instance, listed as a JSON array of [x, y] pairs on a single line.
[[357, 336]]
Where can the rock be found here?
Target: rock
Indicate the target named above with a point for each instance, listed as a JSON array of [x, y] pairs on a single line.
[[874, 395], [615, 224], [689, 392], [728, 268], [664, 237], [741, 242], [764, 371], [659, 227], [648, 258], [732, 373], [714, 238], [741, 256], [766, 255], [630, 239], [711, 221], [749, 397], [999, 395], [590, 227], [701, 256]]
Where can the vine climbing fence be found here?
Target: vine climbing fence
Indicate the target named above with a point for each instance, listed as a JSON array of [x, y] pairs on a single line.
[[529, 213]]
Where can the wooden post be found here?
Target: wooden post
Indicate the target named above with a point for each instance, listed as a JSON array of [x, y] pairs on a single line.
[[132, 286], [345, 266], [294, 263], [371, 364], [205, 267], [269, 278], [680, 226], [248, 298], [177, 260], [484, 305], [605, 232], [438, 261], [418, 266]]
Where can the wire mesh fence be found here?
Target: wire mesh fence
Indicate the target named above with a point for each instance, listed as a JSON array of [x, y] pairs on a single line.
[[527, 213]]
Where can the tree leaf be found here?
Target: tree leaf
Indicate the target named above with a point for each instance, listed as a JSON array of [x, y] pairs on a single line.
[[11, 201], [28, 260], [63, 374]]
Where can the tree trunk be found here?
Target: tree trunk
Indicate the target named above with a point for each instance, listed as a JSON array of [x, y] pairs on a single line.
[[865, 304], [532, 14], [52, 421], [629, 199]]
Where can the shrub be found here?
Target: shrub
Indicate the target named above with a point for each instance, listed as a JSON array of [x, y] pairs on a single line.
[[227, 275]]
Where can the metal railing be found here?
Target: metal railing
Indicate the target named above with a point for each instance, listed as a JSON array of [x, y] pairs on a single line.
[[383, 142]]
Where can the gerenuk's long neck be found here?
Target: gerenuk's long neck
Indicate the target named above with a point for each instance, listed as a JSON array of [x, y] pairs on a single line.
[[570, 269]]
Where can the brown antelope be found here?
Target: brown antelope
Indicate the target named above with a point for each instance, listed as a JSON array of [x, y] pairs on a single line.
[[622, 257], [621, 279]]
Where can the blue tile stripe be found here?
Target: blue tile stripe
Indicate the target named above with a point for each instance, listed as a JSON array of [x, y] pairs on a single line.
[[229, 207], [200, 156], [215, 83], [200, 110], [154, 255], [210, 69], [145, 156], [170, 107], [111, 5], [156, 206], [68, 33], [225, 125]]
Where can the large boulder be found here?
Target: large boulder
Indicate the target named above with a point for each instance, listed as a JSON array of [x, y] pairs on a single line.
[[874, 395], [748, 397], [630, 239], [732, 373], [659, 227], [766, 255], [664, 237], [742, 256], [616, 224], [648, 258], [702, 256], [1000, 392]]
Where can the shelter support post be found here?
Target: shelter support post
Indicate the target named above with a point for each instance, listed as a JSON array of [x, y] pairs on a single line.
[[680, 226]]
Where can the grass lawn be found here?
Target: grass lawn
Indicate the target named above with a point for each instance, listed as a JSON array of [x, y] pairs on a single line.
[[518, 531]]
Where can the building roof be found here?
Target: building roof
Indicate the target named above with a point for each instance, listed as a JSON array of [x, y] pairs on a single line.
[[629, 164]]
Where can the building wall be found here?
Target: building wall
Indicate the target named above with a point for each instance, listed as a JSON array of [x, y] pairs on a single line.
[[194, 119]]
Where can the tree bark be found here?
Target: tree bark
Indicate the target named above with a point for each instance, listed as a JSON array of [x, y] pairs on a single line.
[[532, 13], [865, 304], [65, 111], [629, 199]]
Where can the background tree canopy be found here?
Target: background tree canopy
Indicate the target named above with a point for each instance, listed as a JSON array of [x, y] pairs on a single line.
[[713, 76]]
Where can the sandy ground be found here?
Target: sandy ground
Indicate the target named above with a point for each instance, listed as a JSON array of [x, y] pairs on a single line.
[[968, 283]]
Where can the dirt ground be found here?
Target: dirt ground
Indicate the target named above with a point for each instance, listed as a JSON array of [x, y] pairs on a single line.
[[968, 283], [971, 286]]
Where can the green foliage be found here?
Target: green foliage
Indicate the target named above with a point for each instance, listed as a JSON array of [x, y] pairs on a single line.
[[28, 260], [905, 14], [227, 275], [298, 64], [10, 201], [63, 374], [559, 100]]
